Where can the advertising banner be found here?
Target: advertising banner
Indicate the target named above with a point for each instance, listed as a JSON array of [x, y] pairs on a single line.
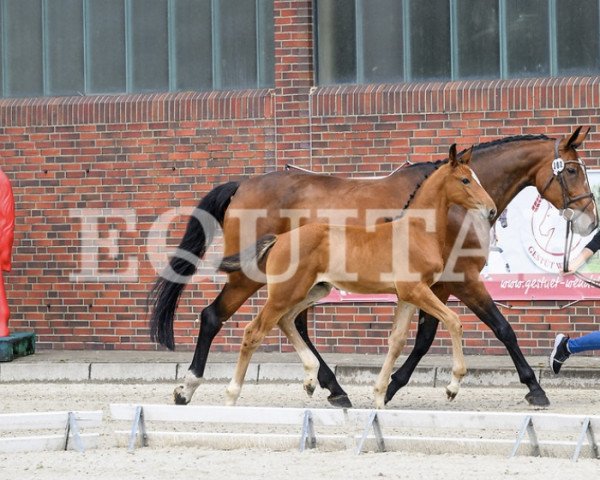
[[527, 246]]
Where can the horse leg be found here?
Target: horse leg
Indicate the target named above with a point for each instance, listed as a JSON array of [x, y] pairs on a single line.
[[338, 397], [396, 342], [476, 297], [426, 331], [233, 295], [423, 297], [286, 324], [254, 333]]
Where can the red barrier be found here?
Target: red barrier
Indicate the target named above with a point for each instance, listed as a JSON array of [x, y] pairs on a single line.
[[7, 228]]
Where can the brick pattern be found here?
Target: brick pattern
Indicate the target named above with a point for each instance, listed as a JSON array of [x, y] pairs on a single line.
[[150, 155], [146, 167]]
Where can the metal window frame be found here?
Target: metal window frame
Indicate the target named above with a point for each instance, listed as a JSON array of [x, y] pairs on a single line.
[[407, 76], [261, 76]]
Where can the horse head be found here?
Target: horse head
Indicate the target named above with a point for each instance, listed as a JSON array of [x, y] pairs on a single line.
[[463, 186], [563, 181]]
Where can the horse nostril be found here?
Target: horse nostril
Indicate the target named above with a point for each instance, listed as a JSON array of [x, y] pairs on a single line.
[[492, 213]]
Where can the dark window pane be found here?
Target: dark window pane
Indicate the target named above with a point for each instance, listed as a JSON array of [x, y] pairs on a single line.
[[527, 38], [336, 41], [65, 47], [237, 39], [149, 45], [266, 44], [106, 46], [193, 45], [478, 39], [430, 39], [23, 25], [382, 34], [577, 36]]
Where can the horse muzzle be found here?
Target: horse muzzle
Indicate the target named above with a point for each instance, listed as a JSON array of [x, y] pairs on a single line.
[[581, 222]]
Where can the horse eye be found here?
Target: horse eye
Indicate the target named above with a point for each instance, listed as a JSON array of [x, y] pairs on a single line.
[[571, 170], [466, 181]]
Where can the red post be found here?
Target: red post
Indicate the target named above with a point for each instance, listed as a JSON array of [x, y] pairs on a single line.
[[7, 229]]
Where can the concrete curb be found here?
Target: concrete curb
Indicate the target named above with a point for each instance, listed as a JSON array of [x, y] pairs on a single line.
[[278, 372]]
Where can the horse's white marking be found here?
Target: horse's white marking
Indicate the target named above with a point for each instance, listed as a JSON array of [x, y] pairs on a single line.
[[585, 174], [232, 392], [475, 176], [190, 384]]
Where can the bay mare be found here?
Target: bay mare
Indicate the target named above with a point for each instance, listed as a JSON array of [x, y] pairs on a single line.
[[404, 256], [504, 167]]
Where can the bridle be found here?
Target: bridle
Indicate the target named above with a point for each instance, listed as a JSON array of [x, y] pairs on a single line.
[[558, 168], [570, 215]]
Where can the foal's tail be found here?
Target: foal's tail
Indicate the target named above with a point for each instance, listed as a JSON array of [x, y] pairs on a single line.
[[164, 295], [249, 257]]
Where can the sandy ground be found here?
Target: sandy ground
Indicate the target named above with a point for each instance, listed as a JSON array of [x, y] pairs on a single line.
[[248, 463]]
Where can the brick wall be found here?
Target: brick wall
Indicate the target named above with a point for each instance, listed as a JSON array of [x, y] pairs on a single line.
[[143, 161]]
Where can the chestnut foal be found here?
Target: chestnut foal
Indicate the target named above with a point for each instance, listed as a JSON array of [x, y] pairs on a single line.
[[404, 256]]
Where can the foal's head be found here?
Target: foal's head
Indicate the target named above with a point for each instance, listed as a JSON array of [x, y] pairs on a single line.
[[463, 187]]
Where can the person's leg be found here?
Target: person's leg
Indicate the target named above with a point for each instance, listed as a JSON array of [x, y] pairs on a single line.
[[559, 354], [565, 346], [591, 341]]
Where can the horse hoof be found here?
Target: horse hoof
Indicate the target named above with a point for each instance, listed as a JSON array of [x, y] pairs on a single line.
[[178, 396], [537, 399], [340, 401], [309, 388], [451, 395]]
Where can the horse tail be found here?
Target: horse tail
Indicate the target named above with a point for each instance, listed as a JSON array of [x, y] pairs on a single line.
[[164, 295], [256, 253]]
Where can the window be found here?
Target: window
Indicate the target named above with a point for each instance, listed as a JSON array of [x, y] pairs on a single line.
[[374, 41], [79, 47]]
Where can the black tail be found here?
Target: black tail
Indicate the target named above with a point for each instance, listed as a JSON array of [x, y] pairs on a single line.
[[237, 262], [164, 296]]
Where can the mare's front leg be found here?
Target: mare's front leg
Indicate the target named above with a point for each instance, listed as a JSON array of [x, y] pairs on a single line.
[[238, 289], [426, 330], [396, 342], [476, 297]]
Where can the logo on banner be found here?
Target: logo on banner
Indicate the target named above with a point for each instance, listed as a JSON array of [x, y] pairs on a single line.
[[544, 240]]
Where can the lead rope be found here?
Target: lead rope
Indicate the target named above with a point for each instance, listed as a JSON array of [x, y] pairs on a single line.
[[587, 280], [568, 245]]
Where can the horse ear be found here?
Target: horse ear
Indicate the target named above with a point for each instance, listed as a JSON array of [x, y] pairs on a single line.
[[465, 158], [577, 137], [452, 156]]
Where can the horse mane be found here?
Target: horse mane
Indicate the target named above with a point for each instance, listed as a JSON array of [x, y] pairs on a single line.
[[504, 141], [435, 164], [432, 166]]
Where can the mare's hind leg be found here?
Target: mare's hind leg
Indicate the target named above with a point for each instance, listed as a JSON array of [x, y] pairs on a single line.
[[396, 342], [286, 324], [337, 397], [234, 294]]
